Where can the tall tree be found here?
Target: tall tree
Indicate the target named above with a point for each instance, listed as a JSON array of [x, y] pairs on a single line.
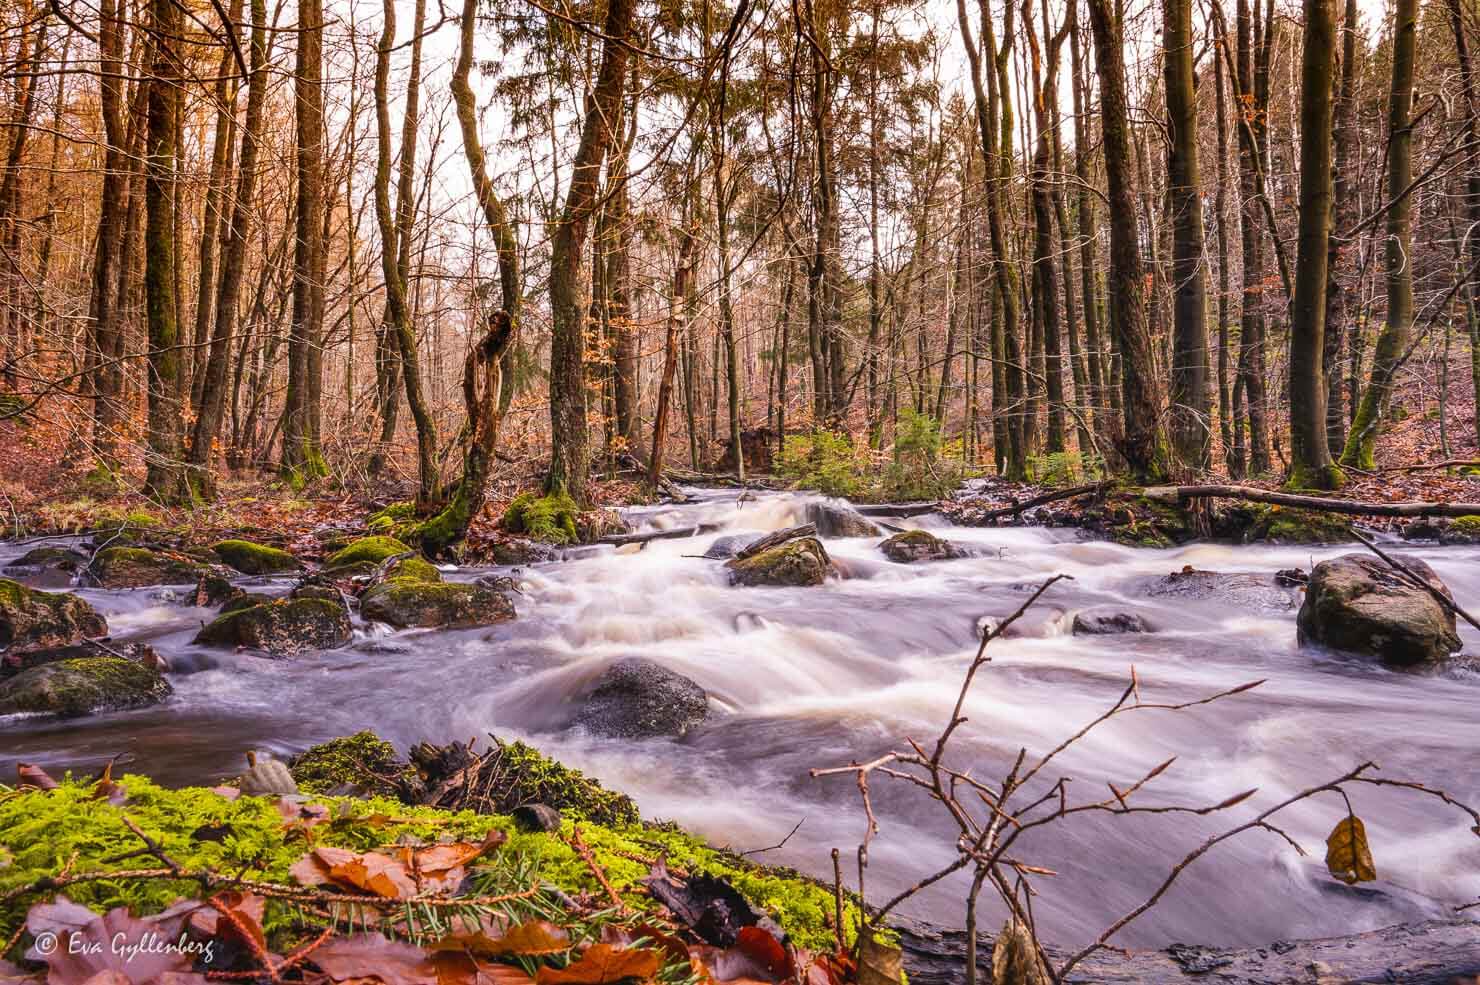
[[570, 458], [1398, 250]]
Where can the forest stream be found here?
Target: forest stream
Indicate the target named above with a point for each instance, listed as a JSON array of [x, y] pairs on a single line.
[[816, 677]]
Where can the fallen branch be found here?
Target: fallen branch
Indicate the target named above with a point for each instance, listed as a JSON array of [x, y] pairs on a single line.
[[1418, 580], [678, 533], [898, 511], [1049, 497], [1350, 507]]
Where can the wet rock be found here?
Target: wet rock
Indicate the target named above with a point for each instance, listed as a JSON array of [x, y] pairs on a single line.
[[52, 566], [726, 547], [521, 550], [245, 600], [1037, 623], [365, 551], [1358, 604], [141, 567], [536, 817], [1246, 590], [920, 545], [840, 521], [12, 662], [796, 563], [1110, 622], [281, 626], [213, 589], [1424, 528], [32, 619], [1291, 577], [255, 559], [498, 583], [407, 603], [636, 698], [1462, 530], [72, 688], [1272, 524]]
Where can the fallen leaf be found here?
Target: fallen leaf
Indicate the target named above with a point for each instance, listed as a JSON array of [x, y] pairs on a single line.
[[755, 957], [32, 775], [603, 964], [462, 969], [85, 945], [107, 789], [1015, 958], [364, 957], [879, 964], [1348, 855], [532, 938]]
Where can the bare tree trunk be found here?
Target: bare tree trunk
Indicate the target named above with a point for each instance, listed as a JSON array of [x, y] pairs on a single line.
[[1344, 216]]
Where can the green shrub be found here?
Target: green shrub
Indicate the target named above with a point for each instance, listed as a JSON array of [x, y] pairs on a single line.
[[919, 471], [823, 460]]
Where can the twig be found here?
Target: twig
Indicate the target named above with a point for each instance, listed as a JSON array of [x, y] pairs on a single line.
[[589, 857], [779, 844]]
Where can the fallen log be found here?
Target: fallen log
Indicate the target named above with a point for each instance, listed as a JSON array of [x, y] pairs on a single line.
[[1170, 494], [1434, 952], [898, 511], [775, 540], [1045, 498], [676, 533]]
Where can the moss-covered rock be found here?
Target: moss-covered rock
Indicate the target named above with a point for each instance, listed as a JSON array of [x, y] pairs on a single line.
[[392, 521], [920, 545], [255, 559], [415, 569], [795, 563], [408, 602], [31, 619], [528, 776], [49, 566], [1461, 530], [281, 626], [12, 662], [1142, 521], [139, 567], [71, 688], [40, 831], [363, 761], [367, 552], [1274, 524], [551, 519], [520, 550]]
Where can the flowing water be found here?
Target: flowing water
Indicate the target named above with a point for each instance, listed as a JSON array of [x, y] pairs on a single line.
[[817, 677]]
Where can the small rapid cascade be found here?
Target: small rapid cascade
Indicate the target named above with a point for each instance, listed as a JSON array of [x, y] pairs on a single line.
[[821, 676]]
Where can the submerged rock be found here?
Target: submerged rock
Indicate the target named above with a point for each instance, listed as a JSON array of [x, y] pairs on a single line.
[[1358, 604], [1237, 589], [141, 567], [72, 688], [726, 547], [32, 619], [521, 550], [255, 559], [636, 698], [840, 521], [1109, 622], [281, 626], [53, 566], [920, 545], [796, 563]]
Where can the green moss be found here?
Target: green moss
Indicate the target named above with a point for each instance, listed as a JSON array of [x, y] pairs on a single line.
[[254, 559], [1283, 525], [528, 776], [414, 569], [1154, 522], [80, 686], [392, 521], [367, 549], [408, 602], [344, 761], [137, 567], [43, 833], [281, 626], [551, 518], [1469, 526]]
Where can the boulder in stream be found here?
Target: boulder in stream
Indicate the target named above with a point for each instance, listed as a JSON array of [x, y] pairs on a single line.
[[920, 545], [255, 559], [1246, 590], [726, 547], [281, 626], [363, 556], [72, 688], [141, 567], [13, 662], [1462, 530], [637, 698], [833, 520], [416, 596], [1358, 604], [51, 566], [1110, 622], [796, 563], [520, 551], [31, 619]]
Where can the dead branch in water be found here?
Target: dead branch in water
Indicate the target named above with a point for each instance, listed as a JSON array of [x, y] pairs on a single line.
[[992, 816], [1176, 494]]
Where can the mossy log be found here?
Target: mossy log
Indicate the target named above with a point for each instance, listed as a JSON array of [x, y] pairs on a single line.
[[1322, 503]]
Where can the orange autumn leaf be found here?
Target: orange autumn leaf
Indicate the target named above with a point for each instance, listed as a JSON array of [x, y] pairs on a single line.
[[603, 964], [532, 938]]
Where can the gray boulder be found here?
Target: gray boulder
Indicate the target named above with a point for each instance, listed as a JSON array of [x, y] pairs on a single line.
[[1358, 604], [53, 567], [832, 520], [636, 698], [726, 547], [281, 626], [1109, 622]]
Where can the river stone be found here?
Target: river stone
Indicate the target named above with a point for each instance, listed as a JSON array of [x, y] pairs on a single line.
[[726, 547], [536, 817], [13, 662], [1358, 604], [920, 545], [52, 566], [32, 619], [407, 602], [255, 559], [1462, 530], [840, 521], [1109, 622], [796, 563], [141, 567], [1238, 589], [636, 698], [281, 626], [521, 550], [72, 688]]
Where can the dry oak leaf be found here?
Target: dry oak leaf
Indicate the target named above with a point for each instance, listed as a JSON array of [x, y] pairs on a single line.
[[1348, 855], [77, 945], [533, 938], [371, 957], [603, 964], [463, 969]]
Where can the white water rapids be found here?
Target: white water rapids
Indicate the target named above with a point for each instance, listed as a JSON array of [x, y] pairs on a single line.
[[810, 677]]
